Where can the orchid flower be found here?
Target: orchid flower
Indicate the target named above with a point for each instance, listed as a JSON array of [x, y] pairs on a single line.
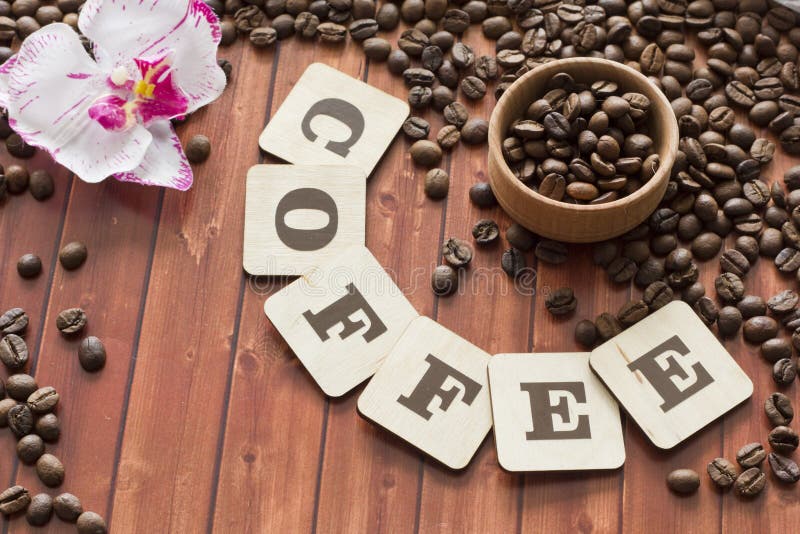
[[154, 60]]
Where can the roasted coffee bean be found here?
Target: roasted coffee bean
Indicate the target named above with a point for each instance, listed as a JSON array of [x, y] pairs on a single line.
[[456, 252], [20, 420], [416, 128], [41, 185], [722, 472], [13, 321], [398, 60], [693, 293], [707, 245], [456, 114], [784, 372], [729, 321], [43, 400], [67, 507], [425, 153], [683, 481], [92, 354], [622, 269], [747, 247], [763, 150], [551, 252], [13, 352], [750, 483], [40, 510], [751, 306], [788, 260], [776, 349], [71, 321], [91, 523], [481, 195], [474, 131], [751, 455], [783, 439], [437, 184], [651, 270], [513, 262], [50, 470], [784, 302], [20, 386], [706, 309], [732, 261], [759, 329], [72, 255], [520, 237], [30, 448], [785, 469], [47, 427], [198, 149], [485, 232], [632, 312], [14, 500], [29, 266], [607, 326], [657, 295], [778, 408], [586, 333], [562, 301]]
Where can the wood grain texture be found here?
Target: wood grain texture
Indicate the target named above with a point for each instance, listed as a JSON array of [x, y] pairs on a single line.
[[224, 430]]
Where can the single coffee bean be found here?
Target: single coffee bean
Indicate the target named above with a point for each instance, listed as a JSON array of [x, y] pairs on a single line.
[[784, 302], [784, 372], [437, 184], [444, 280], [657, 295], [5, 407], [456, 252], [40, 510], [29, 266], [551, 252], [481, 195], [71, 321], [416, 128], [67, 507], [751, 455], [632, 312], [426, 153], [683, 481], [485, 232], [706, 309], [785, 469], [41, 185], [750, 483], [706, 246], [729, 287], [562, 301], [693, 293], [20, 420], [14, 500], [474, 131], [729, 321], [513, 262], [43, 400], [747, 246], [13, 352], [586, 333], [607, 326], [47, 427], [788, 260], [30, 448], [759, 329], [13, 321], [520, 237], [722, 472], [198, 149], [50, 470], [783, 439], [72, 255], [20, 386], [91, 522], [732, 261], [776, 349], [778, 408]]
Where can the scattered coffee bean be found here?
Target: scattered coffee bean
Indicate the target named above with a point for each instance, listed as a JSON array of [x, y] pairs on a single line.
[[67, 507], [562, 301], [783, 439], [750, 483], [729, 321], [40, 510], [456, 252], [513, 262], [783, 303], [20, 420], [485, 232], [437, 184], [13, 321], [444, 280], [751, 455], [481, 195], [29, 448], [13, 352], [683, 481], [551, 252], [759, 329], [43, 400], [50, 470], [47, 427], [776, 349], [198, 148], [520, 237], [426, 153], [72, 255], [13, 500], [784, 372], [29, 266], [785, 469], [778, 408], [71, 321], [607, 326], [20, 386], [722, 472], [91, 522], [586, 333], [41, 185]]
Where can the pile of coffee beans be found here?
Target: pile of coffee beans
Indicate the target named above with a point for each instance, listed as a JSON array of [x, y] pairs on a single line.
[[583, 144], [28, 411], [750, 479]]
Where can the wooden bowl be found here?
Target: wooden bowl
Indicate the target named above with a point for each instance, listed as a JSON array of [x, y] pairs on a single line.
[[579, 223]]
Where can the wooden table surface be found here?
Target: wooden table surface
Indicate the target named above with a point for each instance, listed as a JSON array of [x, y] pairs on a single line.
[[203, 420]]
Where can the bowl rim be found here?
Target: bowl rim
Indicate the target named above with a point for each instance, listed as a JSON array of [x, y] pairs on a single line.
[[671, 133]]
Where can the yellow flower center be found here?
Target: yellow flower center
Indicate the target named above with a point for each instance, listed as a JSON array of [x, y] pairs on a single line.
[[144, 89]]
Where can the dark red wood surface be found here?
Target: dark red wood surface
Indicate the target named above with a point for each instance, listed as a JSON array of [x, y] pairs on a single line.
[[203, 420]]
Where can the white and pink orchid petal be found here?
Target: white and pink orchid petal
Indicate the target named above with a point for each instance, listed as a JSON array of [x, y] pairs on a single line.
[[164, 164], [123, 30], [50, 90], [5, 70], [162, 99]]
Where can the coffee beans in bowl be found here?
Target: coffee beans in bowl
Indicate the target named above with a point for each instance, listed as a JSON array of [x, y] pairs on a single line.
[[580, 149]]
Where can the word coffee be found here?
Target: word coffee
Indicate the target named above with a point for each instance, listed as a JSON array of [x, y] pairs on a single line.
[[331, 118], [671, 374], [432, 391], [551, 413], [341, 319], [297, 216]]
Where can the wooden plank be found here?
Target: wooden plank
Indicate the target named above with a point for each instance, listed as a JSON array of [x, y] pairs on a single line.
[[594, 498], [773, 509], [490, 313], [179, 384], [270, 389], [403, 231]]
